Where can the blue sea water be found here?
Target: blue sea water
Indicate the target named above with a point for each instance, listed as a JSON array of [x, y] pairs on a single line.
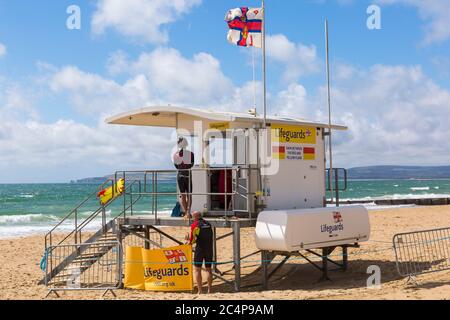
[[35, 208]]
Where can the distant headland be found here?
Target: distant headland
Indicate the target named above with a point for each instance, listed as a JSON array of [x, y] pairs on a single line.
[[369, 172]]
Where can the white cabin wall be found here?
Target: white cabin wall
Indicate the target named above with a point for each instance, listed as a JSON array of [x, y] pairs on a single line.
[[299, 183]]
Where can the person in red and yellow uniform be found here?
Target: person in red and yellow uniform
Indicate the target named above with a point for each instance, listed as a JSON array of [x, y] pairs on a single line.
[[202, 236]]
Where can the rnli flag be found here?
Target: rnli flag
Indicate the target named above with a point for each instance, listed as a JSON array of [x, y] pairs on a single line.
[[245, 26]]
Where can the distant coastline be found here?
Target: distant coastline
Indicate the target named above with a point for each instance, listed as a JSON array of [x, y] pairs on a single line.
[[400, 172], [384, 172]]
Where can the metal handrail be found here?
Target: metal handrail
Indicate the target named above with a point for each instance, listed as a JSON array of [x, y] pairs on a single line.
[[337, 187], [144, 174], [93, 216], [96, 213], [337, 178], [129, 191], [79, 227], [156, 172], [78, 206]]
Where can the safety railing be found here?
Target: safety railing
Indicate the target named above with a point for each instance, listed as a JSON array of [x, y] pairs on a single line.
[[99, 267], [77, 223], [132, 195], [339, 182], [152, 180], [422, 252]]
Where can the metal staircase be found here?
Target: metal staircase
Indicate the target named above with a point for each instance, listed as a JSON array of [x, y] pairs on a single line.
[[67, 252]]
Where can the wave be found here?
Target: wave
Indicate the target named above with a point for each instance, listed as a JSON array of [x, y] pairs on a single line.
[[398, 197], [25, 226], [28, 224], [86, 214], [372, 206], [420, 188], [27, 218], [27, 196]]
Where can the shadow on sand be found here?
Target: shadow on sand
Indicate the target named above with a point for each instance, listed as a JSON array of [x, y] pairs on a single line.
[[303, 276]]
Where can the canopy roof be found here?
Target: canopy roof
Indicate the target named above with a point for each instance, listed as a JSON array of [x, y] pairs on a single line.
[[166, 116]]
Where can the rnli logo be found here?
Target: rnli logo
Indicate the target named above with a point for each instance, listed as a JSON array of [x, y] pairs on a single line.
[[308, 133], [337, 217], [175, 256]]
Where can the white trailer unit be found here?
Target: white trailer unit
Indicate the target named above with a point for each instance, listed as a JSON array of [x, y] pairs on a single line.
[[294, 230]]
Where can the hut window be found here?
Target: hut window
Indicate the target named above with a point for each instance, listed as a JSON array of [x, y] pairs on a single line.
[[220, 150]]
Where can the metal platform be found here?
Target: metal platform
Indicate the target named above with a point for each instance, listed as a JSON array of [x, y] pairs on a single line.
[[223, 222]]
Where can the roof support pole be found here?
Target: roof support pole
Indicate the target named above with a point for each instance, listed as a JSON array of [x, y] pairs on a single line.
[[329, 111], [237, 255]]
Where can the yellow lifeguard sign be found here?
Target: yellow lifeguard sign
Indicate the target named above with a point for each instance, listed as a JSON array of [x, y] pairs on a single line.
[[168, 269], [219, 125], [106, 195], [294, 134], [294, 142]]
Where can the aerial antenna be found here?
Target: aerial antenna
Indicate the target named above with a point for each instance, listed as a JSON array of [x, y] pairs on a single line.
[[254, 81], [330, 174], [264, 61]]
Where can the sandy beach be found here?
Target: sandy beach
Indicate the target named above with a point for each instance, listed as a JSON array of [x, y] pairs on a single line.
[[20, 271]]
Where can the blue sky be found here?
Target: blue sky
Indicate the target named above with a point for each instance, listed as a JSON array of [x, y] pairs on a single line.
[[57, 85]]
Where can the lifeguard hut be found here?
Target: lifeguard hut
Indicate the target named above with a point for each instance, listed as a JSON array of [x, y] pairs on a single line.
[[280, 167], [249, 171]]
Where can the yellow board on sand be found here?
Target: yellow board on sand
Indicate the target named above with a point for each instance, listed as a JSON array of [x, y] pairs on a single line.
[[107, 194], [167, 269]]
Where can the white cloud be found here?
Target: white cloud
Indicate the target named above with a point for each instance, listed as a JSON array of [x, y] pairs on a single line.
[[66, 149], [299, 59], [162, 76], [117, 63], [2, 50], [294, 101], [93, 94], [395, 114], [33, 150], [435, 12], [241, 99], [143, 20], [16, 101], [198, 81]]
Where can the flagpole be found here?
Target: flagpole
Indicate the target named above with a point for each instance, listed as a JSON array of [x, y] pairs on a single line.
[[264, 61], [330, 174], [254, 79]]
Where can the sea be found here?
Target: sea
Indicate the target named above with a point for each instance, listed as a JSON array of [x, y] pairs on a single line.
[[27, 209]]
